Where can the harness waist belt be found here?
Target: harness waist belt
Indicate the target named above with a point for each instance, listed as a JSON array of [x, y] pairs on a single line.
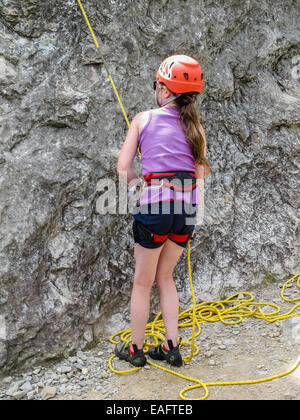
[[177, 180]]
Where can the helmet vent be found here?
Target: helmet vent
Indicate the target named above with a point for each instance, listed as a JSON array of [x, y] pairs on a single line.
[[186, 75]]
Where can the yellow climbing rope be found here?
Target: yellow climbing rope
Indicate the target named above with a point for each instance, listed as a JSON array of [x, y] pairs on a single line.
[[229, 311], [104, 62]]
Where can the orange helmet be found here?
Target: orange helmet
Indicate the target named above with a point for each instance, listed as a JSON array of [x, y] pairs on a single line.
[[181, 74]]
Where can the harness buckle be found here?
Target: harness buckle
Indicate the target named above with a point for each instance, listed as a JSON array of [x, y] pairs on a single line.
[[152, 185]]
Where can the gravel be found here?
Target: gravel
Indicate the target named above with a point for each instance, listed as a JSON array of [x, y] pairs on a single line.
[[249, 350]]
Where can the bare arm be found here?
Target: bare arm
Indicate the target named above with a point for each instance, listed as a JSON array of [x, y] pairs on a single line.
[[128, 151]]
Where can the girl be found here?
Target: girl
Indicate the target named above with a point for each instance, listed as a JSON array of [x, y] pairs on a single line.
[[173, 148]]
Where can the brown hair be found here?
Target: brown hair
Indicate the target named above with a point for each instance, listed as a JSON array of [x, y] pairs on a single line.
[[190, 124]]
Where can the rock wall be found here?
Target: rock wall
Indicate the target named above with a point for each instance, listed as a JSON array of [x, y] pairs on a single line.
[[65, 269]]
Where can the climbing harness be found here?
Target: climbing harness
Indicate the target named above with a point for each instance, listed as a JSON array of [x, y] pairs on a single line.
[[154, 237], [177, 180], [229, 311], [182, 183]]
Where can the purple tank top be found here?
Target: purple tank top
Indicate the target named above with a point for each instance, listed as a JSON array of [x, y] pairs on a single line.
[[164, 147]]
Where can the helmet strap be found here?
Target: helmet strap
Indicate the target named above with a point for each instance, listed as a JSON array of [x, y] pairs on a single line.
[[172, 98]]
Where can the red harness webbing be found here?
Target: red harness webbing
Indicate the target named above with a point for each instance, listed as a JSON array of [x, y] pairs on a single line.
[[166, 178]]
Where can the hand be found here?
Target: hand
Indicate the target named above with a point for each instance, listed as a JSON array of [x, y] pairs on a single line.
[[135, 189], [195, 230]]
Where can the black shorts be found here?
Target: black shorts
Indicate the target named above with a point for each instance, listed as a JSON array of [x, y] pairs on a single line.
[[152, 225]]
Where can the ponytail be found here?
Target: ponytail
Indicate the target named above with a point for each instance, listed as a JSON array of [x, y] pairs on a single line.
[[190, 125]]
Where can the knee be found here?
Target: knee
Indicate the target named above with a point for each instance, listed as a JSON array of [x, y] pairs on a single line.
[[164, 280], [143, 282]]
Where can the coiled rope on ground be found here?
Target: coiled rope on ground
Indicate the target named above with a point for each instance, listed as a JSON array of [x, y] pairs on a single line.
[[229, 311]]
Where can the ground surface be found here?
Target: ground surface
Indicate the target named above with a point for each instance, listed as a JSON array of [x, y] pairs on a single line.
[[252, 349]]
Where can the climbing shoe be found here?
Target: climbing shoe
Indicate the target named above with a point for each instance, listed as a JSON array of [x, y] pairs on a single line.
[[137, 358], [172, 355]]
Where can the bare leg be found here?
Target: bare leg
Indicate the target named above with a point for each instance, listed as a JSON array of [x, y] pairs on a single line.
[[146, 262], [168, 293]]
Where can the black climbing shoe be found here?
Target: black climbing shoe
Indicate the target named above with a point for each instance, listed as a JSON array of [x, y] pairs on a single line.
[[137, 359], [172, 355]]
